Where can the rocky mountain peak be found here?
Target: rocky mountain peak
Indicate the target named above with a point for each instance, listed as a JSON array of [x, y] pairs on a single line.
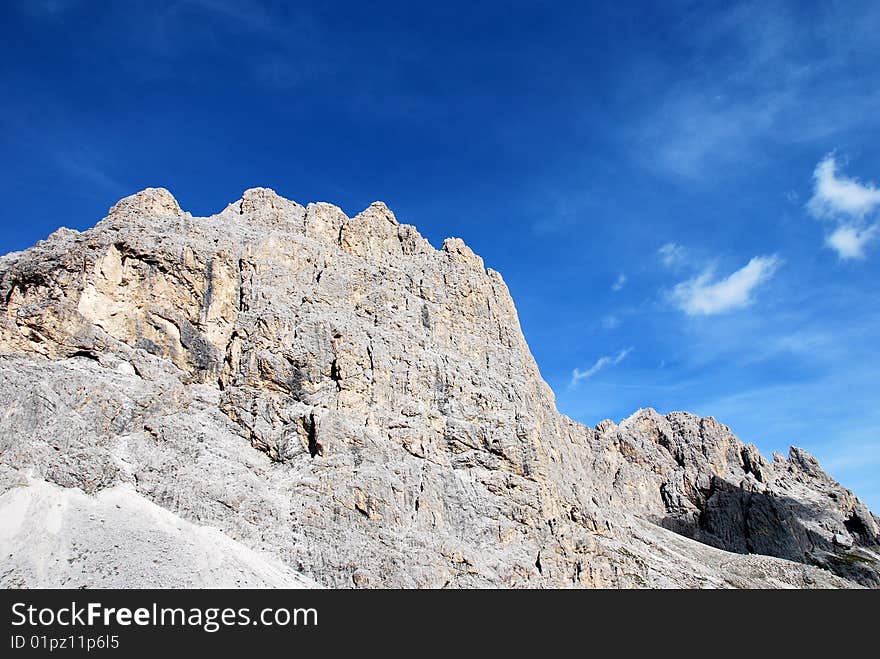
[[361, 409], [150, 202], [799, 459], [377, 211]]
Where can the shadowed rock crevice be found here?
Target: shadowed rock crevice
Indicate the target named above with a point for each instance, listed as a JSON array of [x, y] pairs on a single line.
[[735, 519]]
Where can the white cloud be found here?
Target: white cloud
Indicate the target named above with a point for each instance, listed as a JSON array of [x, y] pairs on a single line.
[[671, 254], [849, 242], [619, 283], [836, 196], [846, 202], [705, 295], [577, 375]]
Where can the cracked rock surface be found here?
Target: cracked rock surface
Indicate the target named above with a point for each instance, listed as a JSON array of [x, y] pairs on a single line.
[[347, 406]]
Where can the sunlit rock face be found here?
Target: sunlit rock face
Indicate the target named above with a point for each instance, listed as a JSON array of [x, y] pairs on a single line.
[[352, 407]]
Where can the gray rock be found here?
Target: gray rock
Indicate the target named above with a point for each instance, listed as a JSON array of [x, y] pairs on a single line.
[[349, 403], [63, 538]]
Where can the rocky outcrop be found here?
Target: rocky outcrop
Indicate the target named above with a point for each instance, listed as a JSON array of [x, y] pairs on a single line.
[[337, 394], [716, 490]]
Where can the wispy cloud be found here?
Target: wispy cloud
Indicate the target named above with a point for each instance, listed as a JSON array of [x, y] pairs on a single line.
[[771, 89], [248, 14], [47, 8], [610, 321], [848, 203], [68, 152], [619, 283], [671, 255], [577, 375], [850, 242], [693, 130], [836, 196], [705, 295], [90, 167]]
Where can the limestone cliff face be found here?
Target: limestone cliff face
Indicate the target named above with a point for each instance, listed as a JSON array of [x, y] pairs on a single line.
[[341, 397]]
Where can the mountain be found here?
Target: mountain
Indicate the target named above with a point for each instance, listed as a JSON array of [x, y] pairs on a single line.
[[335, 402]]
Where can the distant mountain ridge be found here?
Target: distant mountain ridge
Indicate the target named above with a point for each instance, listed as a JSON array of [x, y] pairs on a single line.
[[350, 407]]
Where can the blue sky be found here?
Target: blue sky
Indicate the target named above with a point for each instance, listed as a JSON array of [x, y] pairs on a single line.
[[681, 196]]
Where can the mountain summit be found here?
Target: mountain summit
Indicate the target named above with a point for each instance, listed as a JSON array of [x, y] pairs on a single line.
[[280, 395]]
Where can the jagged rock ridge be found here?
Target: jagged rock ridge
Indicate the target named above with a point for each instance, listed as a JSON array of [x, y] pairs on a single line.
[[346, 400]]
